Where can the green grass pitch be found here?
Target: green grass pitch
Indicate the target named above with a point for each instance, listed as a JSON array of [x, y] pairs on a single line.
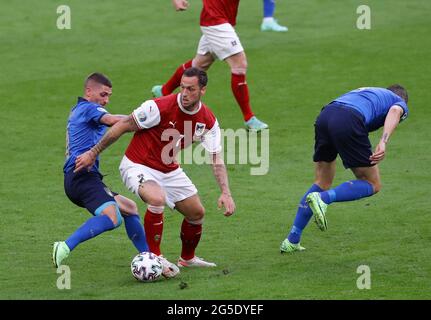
[[291, 76]]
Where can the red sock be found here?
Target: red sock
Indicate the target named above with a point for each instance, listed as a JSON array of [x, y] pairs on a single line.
[[175, 80], [153, 224], [190, 236], [240, 91]]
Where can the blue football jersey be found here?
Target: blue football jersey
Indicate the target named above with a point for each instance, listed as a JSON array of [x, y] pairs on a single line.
[[374, 104], [84, 130]]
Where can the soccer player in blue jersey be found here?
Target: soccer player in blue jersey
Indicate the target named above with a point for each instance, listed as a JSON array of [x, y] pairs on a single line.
[[342, 128], [269, 23], [88, 121]]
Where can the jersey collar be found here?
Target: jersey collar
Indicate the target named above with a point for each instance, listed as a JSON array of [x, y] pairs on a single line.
[[81, 99], [186, 111]]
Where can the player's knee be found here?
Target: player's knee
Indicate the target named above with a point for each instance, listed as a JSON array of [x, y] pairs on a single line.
[[377, 186], [239, 69], [201, 212], [156, 200], [197, 215], [196, 222], [132, 207], [129, 207], [324, 185], [239, 66], [113, 213], [156, 209], [201, 64]]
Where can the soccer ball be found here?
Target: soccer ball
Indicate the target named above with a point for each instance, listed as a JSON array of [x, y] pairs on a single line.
[[146, 267]]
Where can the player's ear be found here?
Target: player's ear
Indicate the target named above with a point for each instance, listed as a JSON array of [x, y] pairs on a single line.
[[203, 90], [87, 90]]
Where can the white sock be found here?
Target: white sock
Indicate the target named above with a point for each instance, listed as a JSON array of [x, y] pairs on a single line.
[[268, 19]]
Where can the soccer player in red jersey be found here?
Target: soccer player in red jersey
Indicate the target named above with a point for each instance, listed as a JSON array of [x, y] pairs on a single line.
[[163, 127], [219, 41]]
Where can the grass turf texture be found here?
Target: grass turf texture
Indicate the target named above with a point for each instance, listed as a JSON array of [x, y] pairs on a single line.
[[291, 76]]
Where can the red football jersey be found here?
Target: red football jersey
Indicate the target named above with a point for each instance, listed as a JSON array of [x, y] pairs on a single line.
[[216, 12], [167, 128]]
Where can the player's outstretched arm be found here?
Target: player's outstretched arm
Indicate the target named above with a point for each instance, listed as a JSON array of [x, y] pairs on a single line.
[[111, 119], [87, 159], [180, 5], [392, 119], [220, 173]]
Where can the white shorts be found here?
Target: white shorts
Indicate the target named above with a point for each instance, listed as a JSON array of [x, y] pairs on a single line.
[[176, 185], [220, 40]]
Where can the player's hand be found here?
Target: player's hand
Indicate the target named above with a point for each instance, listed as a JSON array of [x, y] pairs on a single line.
[[180, 5], [85, 160], [379, 153], [228, 203]]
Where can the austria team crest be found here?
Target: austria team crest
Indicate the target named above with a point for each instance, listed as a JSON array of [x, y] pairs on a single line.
[[142, 116], [199, 128]]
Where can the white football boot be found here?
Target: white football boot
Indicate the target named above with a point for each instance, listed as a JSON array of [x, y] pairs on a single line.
[[170, 270], [195, 262]]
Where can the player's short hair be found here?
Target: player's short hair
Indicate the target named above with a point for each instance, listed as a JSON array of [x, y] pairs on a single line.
[[98, 78], [400, 91], [200, 74]]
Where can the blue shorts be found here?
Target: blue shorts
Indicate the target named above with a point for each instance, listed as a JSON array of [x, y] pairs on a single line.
[[86, 189], [341, 130]]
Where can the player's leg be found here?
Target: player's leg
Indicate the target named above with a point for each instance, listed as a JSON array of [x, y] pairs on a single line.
[[223, 43], [132, 222], [369, 174], [108, 219], [269, 23], [191, 230], [181, 194], [172, 83], [367, 184], [324, 157], [350, 136], [203, 61], [152, 194], [88, 190], [239, 86], [324, 175], [200, 61], [142, 181]]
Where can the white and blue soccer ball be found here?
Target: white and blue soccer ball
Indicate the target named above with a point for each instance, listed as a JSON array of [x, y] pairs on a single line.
[[146, 267]]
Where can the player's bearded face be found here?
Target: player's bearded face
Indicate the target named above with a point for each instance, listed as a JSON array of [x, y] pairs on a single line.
[[191, 92], [99, 94]]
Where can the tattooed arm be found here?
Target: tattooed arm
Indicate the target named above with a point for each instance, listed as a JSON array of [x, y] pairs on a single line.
[[220, 173], [87, 159], [392, 119]]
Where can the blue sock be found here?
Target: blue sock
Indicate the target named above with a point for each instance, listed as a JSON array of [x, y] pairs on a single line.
[[136, 232], [303, 215], [348, 191], [91, 228], [268, 8]]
